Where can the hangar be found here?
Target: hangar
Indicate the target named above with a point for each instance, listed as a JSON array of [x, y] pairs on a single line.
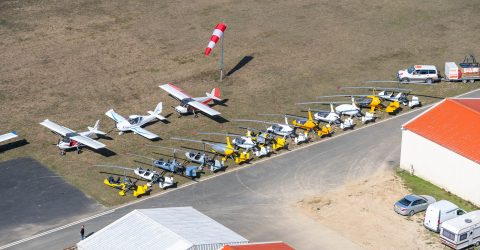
[[442, 146], [173, 228]]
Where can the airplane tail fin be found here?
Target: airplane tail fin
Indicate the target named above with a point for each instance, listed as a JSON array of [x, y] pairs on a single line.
[[215, 94], [95, 129], [157, 112]]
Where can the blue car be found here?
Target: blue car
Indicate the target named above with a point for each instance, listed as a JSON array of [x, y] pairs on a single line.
[[412, 204]]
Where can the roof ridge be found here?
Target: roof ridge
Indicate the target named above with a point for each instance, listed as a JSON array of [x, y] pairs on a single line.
[[455, 100]]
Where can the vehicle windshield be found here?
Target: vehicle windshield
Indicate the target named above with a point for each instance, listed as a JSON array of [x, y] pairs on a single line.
[[410, 70], [405, 202]]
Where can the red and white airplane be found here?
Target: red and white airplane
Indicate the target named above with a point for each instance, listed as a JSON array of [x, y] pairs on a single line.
[[73, 140], [190, 104]]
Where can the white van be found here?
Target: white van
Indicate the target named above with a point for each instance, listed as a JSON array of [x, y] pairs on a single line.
[[462, 231], [419, 73], [439, 212]]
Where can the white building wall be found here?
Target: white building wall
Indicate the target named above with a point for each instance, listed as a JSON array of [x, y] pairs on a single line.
[[440, 166]]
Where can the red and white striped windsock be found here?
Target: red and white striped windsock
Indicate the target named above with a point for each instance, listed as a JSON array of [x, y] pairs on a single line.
[[217, 34]]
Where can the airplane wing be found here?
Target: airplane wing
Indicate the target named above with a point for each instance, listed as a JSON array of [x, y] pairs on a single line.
[[175, 91], [63, 131], [204, 108], [8, 136], [114, 116], [86, 141], [145, 133]]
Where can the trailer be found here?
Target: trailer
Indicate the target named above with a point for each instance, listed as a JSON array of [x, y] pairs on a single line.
[[462, 231], [467, 71]]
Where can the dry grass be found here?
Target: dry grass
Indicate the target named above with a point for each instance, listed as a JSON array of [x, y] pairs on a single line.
[[70, 61]]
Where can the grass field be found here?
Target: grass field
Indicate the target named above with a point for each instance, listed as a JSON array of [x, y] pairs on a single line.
[[420, 186], [70, 61]]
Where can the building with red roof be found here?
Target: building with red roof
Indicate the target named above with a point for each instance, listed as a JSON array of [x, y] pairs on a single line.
[[259, 246], [442, 146]]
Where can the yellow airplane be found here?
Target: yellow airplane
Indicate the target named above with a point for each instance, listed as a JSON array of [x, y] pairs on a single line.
[[263, 138], [224, 149], [393, 105], [373, 102], [125, 186], [310, 124]]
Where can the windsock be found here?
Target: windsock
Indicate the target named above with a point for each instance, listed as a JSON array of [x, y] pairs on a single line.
[[217, 34]]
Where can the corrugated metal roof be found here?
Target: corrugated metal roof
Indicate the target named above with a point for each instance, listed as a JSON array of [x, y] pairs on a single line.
[[453, 123], [260, 246], [192, 225], [162, 228]]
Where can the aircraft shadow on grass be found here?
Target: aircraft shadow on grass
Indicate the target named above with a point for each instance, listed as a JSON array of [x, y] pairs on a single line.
[[13, 145], [219, 119], [103, 151]]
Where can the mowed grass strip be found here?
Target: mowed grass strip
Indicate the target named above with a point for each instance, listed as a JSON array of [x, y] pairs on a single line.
[[420, 186]]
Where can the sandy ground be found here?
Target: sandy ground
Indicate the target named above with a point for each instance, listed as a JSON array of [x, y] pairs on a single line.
[[373, 200]]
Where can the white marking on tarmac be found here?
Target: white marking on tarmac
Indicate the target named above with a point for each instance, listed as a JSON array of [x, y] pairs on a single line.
[[216, 175]]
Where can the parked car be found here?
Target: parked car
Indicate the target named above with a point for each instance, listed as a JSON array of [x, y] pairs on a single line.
[[421, 73], [439, 212], [412, 204]]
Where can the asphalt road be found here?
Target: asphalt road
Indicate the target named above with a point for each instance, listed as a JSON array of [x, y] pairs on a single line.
[[33, 195], [258, 201]]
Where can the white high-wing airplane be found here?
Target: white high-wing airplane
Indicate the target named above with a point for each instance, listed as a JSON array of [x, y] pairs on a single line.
[[134, 123], [71, 139], [8, 136], [190, 104]]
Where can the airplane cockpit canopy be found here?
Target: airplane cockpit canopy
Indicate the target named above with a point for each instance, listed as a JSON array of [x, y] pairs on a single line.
[[135, 120]]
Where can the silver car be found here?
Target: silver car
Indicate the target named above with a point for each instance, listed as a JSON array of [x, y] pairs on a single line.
[[412, 204]]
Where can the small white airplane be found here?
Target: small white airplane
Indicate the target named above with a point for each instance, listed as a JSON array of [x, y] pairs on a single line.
[[281, 129], [73, 140], [190, 104], [389, 94], [134, 123], [8, 136], [350, 109], [238, 141], [330, 117]]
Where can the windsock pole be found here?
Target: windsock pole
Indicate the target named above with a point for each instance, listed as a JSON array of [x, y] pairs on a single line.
[[221, 60]]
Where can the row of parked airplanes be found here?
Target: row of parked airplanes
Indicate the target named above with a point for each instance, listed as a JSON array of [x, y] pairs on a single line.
[[259, 142]]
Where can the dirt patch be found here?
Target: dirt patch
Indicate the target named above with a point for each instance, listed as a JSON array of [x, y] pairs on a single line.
[[362, 212]]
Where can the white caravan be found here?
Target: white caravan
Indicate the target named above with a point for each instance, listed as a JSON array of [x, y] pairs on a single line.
[[461, 232], [439, 212]]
